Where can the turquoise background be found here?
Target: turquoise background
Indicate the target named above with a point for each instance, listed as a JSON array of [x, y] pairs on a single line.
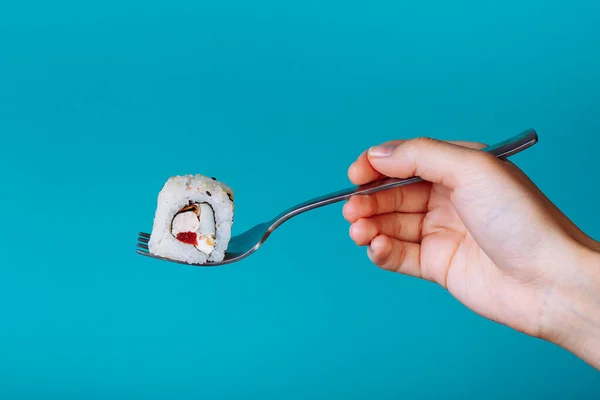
[[102, 101]]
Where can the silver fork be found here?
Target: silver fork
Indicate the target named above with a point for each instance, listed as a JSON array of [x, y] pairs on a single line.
[[246, 243]]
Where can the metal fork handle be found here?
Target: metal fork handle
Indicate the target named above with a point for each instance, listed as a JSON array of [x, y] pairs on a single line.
[[502, 150]]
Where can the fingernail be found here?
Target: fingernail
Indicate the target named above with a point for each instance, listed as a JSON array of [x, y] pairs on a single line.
[[380, 151], [371, 247], [376, 244]]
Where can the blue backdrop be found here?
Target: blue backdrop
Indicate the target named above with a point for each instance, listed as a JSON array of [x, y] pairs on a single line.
[[102, 101]]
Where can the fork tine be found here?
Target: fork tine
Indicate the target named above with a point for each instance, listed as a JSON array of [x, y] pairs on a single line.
[[146, 235], [142, 252], [142, 246], [143, 239]]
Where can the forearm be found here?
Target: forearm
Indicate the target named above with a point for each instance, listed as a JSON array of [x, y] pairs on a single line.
[[575, 310]]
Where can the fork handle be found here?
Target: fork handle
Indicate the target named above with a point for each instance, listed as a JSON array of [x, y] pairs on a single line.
[[503, 149]]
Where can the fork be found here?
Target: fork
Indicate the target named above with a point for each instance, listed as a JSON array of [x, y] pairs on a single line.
[[242, 245]]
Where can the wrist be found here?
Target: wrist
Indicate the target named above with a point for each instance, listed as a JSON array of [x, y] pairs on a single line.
[[574, 307]]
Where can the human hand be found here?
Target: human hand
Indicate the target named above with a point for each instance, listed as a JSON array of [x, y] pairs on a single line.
[[480, 228]]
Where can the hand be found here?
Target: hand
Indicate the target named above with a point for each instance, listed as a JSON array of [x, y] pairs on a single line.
[[481, 229]]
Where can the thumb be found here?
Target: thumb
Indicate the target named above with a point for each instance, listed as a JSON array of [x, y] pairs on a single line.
[[446, 163]]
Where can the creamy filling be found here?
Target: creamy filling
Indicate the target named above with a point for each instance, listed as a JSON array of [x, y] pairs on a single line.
[[206, 233], [195, 225]]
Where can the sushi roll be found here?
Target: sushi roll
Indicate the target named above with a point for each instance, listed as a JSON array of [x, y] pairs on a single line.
[[193, 220]]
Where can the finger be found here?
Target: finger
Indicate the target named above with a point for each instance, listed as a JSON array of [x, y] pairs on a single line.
[[362, 172], [409, 199], [435, 161], [395, 255], [401, 226]]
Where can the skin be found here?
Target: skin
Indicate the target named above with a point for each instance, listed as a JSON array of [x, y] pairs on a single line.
[[480, 228]]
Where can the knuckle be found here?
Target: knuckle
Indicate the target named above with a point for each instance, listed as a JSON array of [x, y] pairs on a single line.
[[399, 260], [419, 232], [420, 142], [479, 170], [413, 147], [373, 204], [363, 204], [424, 140], [378, 224], [398, 198], [485, 161], [397, 227], [385, 225]]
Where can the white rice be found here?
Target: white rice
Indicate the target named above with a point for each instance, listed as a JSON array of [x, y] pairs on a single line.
[[177, 193]]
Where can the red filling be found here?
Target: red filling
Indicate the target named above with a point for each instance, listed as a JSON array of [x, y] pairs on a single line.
[[188, 237]]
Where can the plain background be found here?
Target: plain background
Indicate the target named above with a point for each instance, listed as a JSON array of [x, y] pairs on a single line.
[[102, 101]]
